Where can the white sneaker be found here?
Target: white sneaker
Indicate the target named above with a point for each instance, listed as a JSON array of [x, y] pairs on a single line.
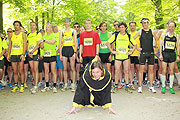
[[3, 83], [45, 89], [73, 89], [152, 89], [54, 90], [140, 89], [34, 89]]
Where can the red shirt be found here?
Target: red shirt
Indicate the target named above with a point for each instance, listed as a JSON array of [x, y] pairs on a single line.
[[89, 40]]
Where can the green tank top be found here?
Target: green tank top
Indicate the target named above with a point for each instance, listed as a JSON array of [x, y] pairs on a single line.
[[104, 38]]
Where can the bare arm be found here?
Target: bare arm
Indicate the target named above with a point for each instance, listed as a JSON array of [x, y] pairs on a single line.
[[3, 52], [10, 45], [50, 41], [161, 44], [24, 42], [76, 41]]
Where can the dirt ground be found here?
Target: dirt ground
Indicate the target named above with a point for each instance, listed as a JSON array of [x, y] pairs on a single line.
[[50, 106]]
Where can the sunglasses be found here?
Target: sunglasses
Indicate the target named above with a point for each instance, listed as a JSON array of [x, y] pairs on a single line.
[[9, 31], [115, 25], [97, 28]]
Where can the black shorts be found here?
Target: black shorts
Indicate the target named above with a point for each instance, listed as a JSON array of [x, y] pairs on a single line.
[[35, 58], [67, 51], [1, 64], [121, 59], [86, 60], [134, 59], [15, 58], [105, 57], [156, 61], [169, 57], [40, 66], [6, 62], [146, 57], [49, 59]]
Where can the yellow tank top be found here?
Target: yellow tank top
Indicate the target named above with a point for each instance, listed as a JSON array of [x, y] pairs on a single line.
[[136, 52], [158, 43], [17, 44], [68, 38]]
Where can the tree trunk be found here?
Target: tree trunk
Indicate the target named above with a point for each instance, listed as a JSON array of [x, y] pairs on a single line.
[[158, 14], [43, 21], [47, 17], [1, 16], [36, 20], [52, 16]]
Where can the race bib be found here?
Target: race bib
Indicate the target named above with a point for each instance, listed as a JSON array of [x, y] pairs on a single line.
[[122, 50], [68, 39], [31, 48], [16, 47], [170, 45], [47, 53], [103, 45], [88, 41]]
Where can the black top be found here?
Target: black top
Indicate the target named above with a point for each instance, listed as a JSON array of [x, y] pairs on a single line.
[[146, 41], [169, 44]]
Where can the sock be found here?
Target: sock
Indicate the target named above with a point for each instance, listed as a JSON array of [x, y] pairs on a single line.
[[47, 84], [127, 85], [171, 79], [178, 77], [163, 79], [144, 76], [54, 85], [22, 84], [116, 85]]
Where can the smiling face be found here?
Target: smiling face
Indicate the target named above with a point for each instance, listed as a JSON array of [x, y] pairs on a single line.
[[88, 25], [48, 28], [122, 28], [171, 27], [97, 73], [145, 25], [116, 26], [17, 26], [132, 26], [33, 26], [103, 27]]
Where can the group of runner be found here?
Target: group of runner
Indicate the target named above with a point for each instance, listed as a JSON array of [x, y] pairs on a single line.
[[62, 54]]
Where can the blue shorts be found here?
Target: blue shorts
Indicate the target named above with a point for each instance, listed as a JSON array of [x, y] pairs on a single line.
[[59, 64]]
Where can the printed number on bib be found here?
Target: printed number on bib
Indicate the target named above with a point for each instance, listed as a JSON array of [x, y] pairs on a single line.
[[103, 45], [47, 53], [170, 45], [122, 50], [31, 48], [88, 41], [67, 39], [16, 47]]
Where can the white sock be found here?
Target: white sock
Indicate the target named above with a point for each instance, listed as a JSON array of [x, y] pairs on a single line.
[[171, 79], [178, 77], [163, 79]]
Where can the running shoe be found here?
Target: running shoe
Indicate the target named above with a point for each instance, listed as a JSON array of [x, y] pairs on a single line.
[[152, 89], [120, 86], [61, 85], [1, 87], [140, 89], [54, 90], [171, 90], [132, 87], [3, 83], [34, 89], [128, 90], [73, 89], [21, 89], [144, 82], [114, 90], [45, 89], [163, 91], [25, 86], [40, 84], [64, 88], [15, 88], [10, 85]]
